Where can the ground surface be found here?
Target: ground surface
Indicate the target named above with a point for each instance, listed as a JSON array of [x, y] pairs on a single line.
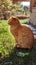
[[12, 59]]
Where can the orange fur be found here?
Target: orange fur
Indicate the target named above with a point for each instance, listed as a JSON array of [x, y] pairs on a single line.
[[23, 35]]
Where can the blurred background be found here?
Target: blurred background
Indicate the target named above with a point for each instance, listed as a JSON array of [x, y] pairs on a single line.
[[10, 8]]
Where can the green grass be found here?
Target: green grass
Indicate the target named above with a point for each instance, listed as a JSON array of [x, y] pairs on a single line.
[[23, 20], [6, 40]]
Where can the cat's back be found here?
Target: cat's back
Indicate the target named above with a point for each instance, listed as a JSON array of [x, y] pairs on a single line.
[[27, 36], [26, 29]]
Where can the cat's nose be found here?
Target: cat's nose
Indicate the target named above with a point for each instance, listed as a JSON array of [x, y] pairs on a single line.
[[9, 21]]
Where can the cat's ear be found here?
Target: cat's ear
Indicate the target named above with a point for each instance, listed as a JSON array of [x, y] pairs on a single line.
[[11, 19], [15, 20]]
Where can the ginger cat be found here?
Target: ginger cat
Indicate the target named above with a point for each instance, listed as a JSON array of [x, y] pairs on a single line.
[[23, 35]]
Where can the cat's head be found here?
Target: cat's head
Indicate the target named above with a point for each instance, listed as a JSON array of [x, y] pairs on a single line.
[[13, 21]]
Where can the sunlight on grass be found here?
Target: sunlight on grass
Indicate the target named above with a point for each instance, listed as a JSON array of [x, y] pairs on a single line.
[[6, 40], [23, 20]]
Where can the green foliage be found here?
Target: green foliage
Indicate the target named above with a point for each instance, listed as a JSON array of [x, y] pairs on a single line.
[[5, 9], [23, 20], [6, 40], [8, 8], [5, 3]]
